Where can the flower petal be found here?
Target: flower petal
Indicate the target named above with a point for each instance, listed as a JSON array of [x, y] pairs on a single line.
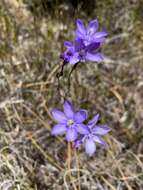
[[59, 116], [90, 147], [93, 121], [92, 27], [78, 44], [59, 129], [99, 40], [80, 26], [101, 129], [98, 57], [68, 109], [80, 116], [100, 37], [71, 134], [74, 59], [100, 141], [93, 46], [82, 129], [77, 143], [100, 34], [78, 35], [68, 44]]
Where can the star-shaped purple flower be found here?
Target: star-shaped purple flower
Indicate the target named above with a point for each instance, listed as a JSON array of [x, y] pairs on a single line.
[[89, 35], [69, 122], [86, 44], [77, 52], [95, 132]]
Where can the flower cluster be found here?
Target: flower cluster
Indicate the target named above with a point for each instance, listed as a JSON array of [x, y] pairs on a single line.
[[85, 45], [72, 124]]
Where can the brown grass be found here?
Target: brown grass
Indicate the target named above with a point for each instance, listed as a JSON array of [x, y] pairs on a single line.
[[30, 44]]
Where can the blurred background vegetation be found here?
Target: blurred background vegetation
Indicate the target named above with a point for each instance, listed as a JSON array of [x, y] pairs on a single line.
[[32, 33]]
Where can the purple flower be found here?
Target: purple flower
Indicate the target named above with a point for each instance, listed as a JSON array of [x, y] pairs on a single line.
[[72, 53], [78, 52], [95, 132], [89, 35], [86, 44], [69, 122]]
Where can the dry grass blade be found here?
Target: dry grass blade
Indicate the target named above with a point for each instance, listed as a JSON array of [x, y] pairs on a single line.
[[47, 156], [32, 35]]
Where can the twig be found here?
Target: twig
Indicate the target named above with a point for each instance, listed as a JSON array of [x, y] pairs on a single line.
[[41, 120], [47, 156], [78, 168], [69, 158], [69, 165], [69, 77], [73, 170]]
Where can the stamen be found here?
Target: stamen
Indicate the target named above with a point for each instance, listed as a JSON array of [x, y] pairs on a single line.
[[70, 122]]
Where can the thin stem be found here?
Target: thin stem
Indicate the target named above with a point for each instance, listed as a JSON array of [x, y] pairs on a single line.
[[69, 158], [60, 74], [69, 165], [78, 167], [69, 77], [62, 70]]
